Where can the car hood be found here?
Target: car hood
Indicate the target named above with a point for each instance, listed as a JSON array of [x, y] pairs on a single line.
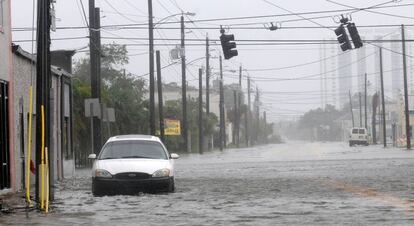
[[115, 166]]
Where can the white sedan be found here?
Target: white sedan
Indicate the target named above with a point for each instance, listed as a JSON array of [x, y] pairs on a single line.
[[132, 163]]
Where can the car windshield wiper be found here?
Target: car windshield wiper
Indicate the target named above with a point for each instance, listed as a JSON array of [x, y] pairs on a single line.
[[135, 156]]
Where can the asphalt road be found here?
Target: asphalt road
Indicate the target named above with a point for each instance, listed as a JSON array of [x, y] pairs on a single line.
[[286, 184]]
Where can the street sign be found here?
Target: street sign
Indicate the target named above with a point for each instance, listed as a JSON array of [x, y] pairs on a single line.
[[111, 114], [108, 114], [92, 104], [172, 127]]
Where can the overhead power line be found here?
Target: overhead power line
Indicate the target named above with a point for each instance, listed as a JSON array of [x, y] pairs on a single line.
[[223, 19], [371, 11], [27, 29]]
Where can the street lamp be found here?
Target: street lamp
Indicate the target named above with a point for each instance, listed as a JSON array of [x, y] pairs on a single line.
[[151, 59], [176, 14], [200, 58]]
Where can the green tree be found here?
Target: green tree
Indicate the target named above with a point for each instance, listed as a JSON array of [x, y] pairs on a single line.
[[119, 90], [322, 122], [173, 110]]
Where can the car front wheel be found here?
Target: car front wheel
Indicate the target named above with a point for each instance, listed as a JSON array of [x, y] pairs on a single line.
[[171, 185], [96, 191]]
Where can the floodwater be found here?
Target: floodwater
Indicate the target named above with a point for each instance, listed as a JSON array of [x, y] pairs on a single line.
[[286, 184]]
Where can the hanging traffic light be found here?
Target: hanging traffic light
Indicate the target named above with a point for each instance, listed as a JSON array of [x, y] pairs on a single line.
[[353, 32], [228, 45], [343, 39]]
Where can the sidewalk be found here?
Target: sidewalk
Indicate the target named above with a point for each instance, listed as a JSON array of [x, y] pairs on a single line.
[[12, 201]]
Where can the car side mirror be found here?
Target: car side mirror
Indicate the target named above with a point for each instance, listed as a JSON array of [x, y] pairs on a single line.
[[174, 156], [92, 156]]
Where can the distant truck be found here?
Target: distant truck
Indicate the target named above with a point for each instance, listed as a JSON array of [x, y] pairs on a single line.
[[358, 135]]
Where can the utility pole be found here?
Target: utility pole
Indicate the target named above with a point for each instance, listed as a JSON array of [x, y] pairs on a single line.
[[352, 113], [98, 74], [360, 109], [200, 111], [95, 50], [160, 101], [407, 116], [257, 135], [384, 124], [235, 117], [207, 86], [151, 70], [184, 87], [43, 83], [249, 114], [207, 76], [239, 97], [366, 116], [221, 106], [265, 127], [374, 116]]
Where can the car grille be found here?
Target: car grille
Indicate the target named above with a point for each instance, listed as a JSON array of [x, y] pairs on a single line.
[[132, 175]]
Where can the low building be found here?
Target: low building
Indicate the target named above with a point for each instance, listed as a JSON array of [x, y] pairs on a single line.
[[24, 77], [7, 174]]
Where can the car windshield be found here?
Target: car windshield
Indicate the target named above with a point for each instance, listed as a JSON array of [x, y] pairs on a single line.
[[133, 149], [355, 131], [361, 131]]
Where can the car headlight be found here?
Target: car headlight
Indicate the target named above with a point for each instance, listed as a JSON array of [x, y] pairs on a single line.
[[102, 173], [161, 173]]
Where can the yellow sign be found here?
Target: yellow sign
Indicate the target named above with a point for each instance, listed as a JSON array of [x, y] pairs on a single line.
[[172, 127]]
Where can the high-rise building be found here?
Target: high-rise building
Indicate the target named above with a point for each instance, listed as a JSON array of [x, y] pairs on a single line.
[[361, 68], [377, 78]]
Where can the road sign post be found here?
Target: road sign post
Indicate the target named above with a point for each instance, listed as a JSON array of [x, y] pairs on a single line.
[[92, 109]]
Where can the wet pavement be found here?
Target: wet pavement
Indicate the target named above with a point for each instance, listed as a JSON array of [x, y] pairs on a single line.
[[286, 184]]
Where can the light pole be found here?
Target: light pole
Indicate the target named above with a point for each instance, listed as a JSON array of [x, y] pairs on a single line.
[[151, 70], [184, 84], [170, 16]]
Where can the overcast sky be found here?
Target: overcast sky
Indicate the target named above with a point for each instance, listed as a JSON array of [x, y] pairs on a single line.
[[251, 57]]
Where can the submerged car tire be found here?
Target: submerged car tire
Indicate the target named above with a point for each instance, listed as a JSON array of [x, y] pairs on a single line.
[[96, 191], [171, 185]]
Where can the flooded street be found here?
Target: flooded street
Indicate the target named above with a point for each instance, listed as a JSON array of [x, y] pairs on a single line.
[[286, 184]]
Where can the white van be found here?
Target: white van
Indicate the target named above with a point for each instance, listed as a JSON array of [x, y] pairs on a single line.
[[358, 135]]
